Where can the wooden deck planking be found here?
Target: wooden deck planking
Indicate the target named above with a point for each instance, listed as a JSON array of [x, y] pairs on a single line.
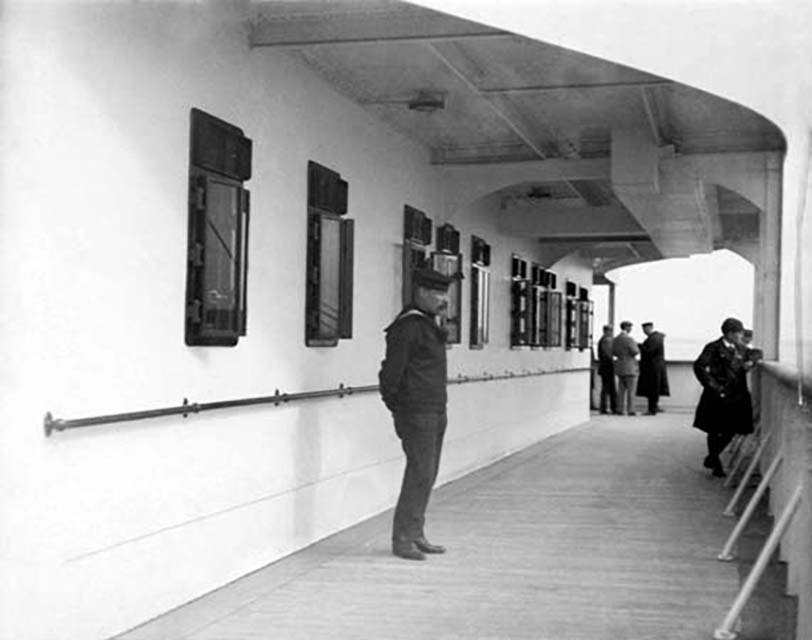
[[607, 532]]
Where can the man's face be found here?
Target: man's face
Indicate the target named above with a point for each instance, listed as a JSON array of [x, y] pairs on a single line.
[[648, 329], [736, 337], [432, 300]]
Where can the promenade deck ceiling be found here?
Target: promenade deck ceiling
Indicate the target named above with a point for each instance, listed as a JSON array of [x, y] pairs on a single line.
[[476, 95]]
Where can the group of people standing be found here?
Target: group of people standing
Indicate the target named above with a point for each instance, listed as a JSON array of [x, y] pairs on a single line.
[[638, 367], [725, 407], [413, 387]]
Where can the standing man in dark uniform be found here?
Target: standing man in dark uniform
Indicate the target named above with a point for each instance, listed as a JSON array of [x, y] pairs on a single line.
[[653, 380], [413, 387], [606, 371], [725, 407]]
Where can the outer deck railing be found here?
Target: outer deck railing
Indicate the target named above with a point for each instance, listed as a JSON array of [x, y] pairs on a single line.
[[51, 424], [784, 456]]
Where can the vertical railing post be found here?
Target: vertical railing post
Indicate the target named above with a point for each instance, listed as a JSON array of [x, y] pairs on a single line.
[[746, 477], [725, 555], [740, 455], [725, 631], [735, 448]]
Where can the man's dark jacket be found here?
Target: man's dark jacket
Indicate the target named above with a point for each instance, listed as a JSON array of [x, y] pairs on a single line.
[[413, 373], [653, 380], [606, 365], [725, 405]]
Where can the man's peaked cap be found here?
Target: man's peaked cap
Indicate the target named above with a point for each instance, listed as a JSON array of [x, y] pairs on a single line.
[[431, 279]]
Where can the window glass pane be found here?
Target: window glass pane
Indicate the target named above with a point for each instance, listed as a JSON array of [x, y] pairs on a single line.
[[329, 277], [554, 323], [449, 265], [479, 306], [484, 295], [544, 318], [220, 271]]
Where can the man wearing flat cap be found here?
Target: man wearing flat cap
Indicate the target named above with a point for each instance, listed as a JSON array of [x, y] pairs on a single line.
[[725, 407], [413, 387], [625, 353]]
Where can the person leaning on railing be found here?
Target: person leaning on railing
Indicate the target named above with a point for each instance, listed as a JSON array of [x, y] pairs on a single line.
[[752, 355], [725, 407]]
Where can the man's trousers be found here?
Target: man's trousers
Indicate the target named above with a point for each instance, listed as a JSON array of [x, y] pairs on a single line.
[[625, 393], [608, 393], [421, 436], [717, 442]]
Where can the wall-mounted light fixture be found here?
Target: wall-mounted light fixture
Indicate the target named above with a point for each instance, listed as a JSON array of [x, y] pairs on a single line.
[[427, 102]]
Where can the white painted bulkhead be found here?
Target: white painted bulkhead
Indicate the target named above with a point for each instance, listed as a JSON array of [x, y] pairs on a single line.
[[106, 527]]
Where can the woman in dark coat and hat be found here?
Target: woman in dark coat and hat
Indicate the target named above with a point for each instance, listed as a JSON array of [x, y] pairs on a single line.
[[725, 408]]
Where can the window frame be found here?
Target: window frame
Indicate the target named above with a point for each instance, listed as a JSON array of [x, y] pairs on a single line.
[[219, 162], [328, 313], [554, 305], [450, 264], [479, 324], [519, 302]]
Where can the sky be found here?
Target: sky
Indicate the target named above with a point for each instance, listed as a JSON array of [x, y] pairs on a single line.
[[686, 298]]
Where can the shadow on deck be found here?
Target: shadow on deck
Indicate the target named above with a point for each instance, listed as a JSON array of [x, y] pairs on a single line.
[[609, 531]]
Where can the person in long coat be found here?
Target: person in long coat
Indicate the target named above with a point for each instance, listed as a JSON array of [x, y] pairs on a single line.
[[653, 380], [725, 407]]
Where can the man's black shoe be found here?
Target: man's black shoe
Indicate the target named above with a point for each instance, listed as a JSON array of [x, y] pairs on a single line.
[[651, 413], [426, 547], [709, 462], [407, 550], [718, 472], [631, 413]]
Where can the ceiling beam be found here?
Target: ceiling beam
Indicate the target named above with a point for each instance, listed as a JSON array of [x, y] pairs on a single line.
[[481, 153], [455, 60], [313, 42], [601, 279], [707, 205], [652, 115], [603, 238], [399, 23], [540, 88], [508, 114]]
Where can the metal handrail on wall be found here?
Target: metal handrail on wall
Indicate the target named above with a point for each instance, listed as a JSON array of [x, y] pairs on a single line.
[[51, 424]]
